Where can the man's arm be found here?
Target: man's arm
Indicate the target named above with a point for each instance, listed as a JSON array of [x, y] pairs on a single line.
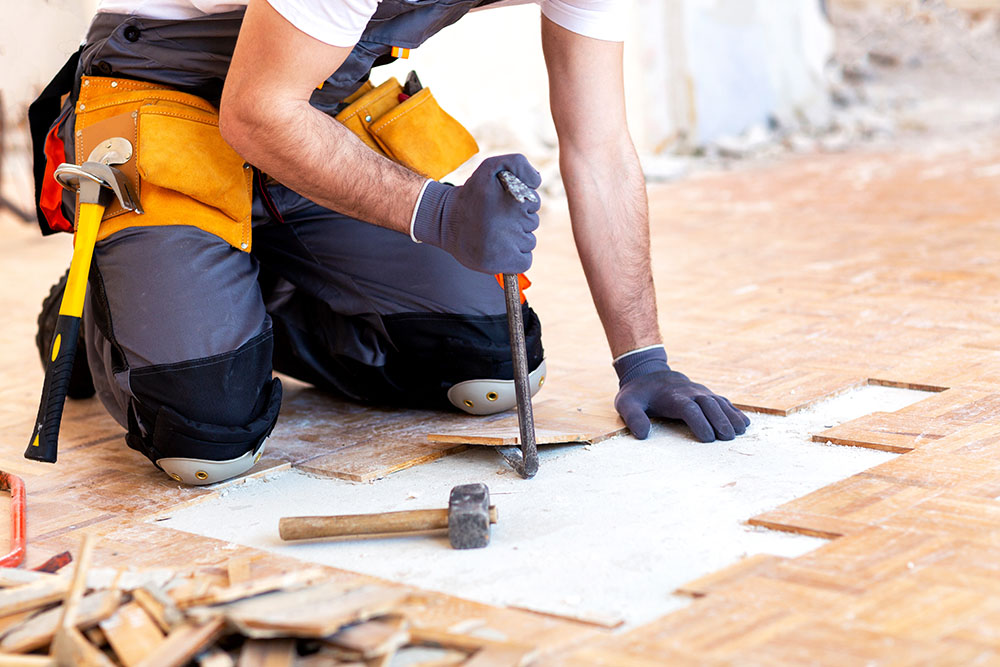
[[610, 218], [265, 115], [604, 183]]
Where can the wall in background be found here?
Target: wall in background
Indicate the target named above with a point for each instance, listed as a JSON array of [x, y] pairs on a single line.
[[696, 69]]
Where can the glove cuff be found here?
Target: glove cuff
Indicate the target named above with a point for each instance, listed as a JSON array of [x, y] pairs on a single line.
[[427, 222], [635, 364]]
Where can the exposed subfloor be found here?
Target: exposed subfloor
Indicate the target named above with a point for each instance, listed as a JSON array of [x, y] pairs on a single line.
[[780, 286], [606, 532]]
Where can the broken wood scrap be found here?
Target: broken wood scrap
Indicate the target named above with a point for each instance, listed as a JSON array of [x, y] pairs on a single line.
[[159, 606], [35, 595], [132, 633], [373, 638], [184, 643], [70, 647], [267, 653], [38, 631], [286, 581], [317, 611], [238, 570], [265, 622]]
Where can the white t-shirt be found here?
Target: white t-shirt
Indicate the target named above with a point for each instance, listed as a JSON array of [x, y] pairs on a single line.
[[341, 22]]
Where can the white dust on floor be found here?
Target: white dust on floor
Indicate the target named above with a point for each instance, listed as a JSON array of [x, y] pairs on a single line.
[[608, 531]]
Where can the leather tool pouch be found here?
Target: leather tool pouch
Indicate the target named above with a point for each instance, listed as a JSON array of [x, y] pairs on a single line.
[[181, 169], [416, 132]]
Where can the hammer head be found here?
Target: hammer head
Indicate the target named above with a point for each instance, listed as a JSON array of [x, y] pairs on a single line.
[[469, 516]]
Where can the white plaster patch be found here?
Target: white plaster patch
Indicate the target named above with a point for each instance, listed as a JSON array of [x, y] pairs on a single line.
[[609, 530]]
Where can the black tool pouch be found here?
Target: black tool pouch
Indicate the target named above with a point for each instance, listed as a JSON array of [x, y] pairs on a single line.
[[51, 107]]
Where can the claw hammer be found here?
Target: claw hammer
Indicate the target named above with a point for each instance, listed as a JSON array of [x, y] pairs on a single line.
[[524, 461], [96, 181]]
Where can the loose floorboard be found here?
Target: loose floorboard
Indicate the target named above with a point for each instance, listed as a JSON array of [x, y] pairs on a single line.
[[779, 286]]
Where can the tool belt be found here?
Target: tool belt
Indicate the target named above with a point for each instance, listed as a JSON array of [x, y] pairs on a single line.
[[410, 129], [184, 172]]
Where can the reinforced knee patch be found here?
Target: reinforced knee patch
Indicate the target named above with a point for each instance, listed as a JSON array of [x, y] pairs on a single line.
[[199, 453]]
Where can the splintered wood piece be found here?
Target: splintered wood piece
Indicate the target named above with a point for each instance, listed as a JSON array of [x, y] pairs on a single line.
[[159, 606], [373, 638], [500, 656], [238, 570], [39, 630], [11, 576], [79, 584], [284, 581], [184, 643], [71, 648], [132, 633], [752, 565], [317, 611], [267, 653], [29, 661], [38, 594], [96, 637]]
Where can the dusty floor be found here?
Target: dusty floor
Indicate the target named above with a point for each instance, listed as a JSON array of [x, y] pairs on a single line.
[[782, 283]]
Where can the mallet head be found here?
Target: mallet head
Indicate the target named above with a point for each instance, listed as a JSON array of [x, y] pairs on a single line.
[[469, 516]]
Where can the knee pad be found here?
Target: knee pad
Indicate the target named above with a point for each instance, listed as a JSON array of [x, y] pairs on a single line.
[[487, 396], [199, 453]]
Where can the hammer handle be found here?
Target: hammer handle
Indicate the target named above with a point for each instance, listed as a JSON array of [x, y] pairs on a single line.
[[44, 443], [308, 527]]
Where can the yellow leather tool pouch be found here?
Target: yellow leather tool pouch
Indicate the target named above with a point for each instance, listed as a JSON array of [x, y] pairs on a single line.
[[186, 173], [416, 132]]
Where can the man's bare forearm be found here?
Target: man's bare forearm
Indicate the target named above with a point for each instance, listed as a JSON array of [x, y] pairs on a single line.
[[266, 116], [607, 202], [319, 158]]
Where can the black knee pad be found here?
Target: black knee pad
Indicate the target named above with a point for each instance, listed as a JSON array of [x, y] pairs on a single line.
[[434, 352], [205, 420]]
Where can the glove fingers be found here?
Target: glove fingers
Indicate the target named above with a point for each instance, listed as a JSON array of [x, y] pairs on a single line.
[[694, 417], [743, 417], [720, 422], [635, 417], [518, 165], [736, 418]]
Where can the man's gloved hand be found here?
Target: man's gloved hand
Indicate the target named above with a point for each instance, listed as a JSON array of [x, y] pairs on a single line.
[[648, 388], [482, 225]]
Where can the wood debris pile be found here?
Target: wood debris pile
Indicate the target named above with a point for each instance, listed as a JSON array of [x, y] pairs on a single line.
[[214, 618]]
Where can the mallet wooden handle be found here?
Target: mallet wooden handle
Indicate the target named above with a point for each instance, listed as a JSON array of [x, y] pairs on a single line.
[[308, 527]]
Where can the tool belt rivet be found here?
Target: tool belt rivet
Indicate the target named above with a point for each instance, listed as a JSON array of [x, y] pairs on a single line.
[[201, 474], [492, 396], [82, 106], [468, 403], [114, 84]]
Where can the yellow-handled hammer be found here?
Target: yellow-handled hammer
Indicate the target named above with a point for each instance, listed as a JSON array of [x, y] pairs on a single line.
[[97, 182]]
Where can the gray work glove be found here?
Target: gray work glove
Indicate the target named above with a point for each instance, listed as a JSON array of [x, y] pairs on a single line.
[[480, 223], [648, 388]]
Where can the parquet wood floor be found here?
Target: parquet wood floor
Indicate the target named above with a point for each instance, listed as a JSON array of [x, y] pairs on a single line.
[[779, 286]]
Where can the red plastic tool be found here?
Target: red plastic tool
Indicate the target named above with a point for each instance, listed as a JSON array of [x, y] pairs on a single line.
[[15, 485]]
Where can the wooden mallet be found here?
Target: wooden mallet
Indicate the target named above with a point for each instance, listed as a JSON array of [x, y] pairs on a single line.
[[467, 520]]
